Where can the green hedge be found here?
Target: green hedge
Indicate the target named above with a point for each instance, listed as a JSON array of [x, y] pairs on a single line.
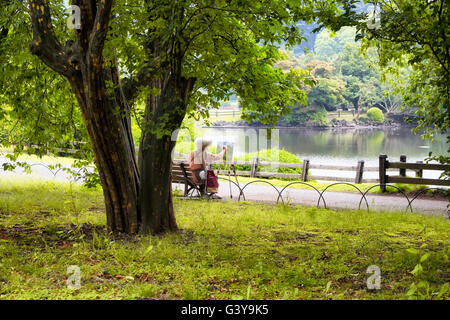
[[376, 115]]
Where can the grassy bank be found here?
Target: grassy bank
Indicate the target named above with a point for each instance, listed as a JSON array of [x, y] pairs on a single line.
[[223, 251]]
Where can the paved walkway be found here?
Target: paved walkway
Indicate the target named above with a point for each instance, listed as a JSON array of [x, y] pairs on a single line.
[[262, 192]]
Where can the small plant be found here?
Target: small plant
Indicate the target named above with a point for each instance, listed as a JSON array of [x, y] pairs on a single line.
[[375, 115], [420, 288]]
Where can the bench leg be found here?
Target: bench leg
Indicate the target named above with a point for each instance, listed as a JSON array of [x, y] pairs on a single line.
[[185, 189]]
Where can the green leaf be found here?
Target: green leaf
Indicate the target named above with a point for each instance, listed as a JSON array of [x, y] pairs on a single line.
[[412, 290], [417, 270], [413, 251], [328, 286], [424, 257], [443, 290], [422, 284]]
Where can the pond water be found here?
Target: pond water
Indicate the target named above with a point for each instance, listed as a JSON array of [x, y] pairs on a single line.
[[336, 147]]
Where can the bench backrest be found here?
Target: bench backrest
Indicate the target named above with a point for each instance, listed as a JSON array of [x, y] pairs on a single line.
[[178, 174]]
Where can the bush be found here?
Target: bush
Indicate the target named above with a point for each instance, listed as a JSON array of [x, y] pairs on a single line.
[[300, 115], [376, 115], [363, 119], [320, 117]]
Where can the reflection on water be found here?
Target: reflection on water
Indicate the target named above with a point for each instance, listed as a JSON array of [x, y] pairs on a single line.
[[364, 144]]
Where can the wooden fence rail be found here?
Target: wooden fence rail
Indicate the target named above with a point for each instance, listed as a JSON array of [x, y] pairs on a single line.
[[358, 171], [221, 113], [304, 176], [402, 166]]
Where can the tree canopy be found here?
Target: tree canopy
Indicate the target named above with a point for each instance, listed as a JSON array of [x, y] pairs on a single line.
[[175, 57], [416, 33]]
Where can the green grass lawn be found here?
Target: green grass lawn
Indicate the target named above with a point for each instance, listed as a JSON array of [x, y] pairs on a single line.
[[224, 250]]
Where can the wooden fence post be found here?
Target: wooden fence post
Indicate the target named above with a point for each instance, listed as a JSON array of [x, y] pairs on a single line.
[[419, 172], [402, 172], [359, 171], [254, 167], [382, 166], [305, 170]]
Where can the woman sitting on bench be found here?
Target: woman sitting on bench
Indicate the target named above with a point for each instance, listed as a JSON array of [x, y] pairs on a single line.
[[198, 159]]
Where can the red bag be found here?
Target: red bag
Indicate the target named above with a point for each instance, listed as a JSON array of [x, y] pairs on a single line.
[[212, 183]]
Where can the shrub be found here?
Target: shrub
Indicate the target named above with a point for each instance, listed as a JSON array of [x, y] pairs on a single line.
[[320, 117], [375, 114], [363, 119], [300, 115]]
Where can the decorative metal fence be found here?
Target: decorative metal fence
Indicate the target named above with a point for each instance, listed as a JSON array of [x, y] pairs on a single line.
[[320, 194], [80, 173]]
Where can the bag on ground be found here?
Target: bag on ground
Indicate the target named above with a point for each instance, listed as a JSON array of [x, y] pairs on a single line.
[[212, 183]]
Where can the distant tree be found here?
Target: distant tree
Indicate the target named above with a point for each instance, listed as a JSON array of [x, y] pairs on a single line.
[[390, 101], [327, 94], [320, 69], [352, 63], [328, 45], [417, 33]]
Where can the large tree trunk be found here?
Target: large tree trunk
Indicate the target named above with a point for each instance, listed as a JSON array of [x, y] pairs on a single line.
[[164, 114], [104, 110], [114, 153], [156, 187], [136, 200]]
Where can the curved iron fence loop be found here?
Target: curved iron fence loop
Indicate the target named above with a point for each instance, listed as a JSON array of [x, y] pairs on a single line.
[[77, 176], [240, 190], [54, 173], [305, 183], [254, 181], [418, 194], [387, 185], [346, 183]]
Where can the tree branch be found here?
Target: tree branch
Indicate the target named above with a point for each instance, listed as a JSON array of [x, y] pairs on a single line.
[[45, 45], [131, 85], [99, 32]]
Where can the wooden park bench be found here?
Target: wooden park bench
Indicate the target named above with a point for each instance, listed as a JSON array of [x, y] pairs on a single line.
[[181, 173]]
